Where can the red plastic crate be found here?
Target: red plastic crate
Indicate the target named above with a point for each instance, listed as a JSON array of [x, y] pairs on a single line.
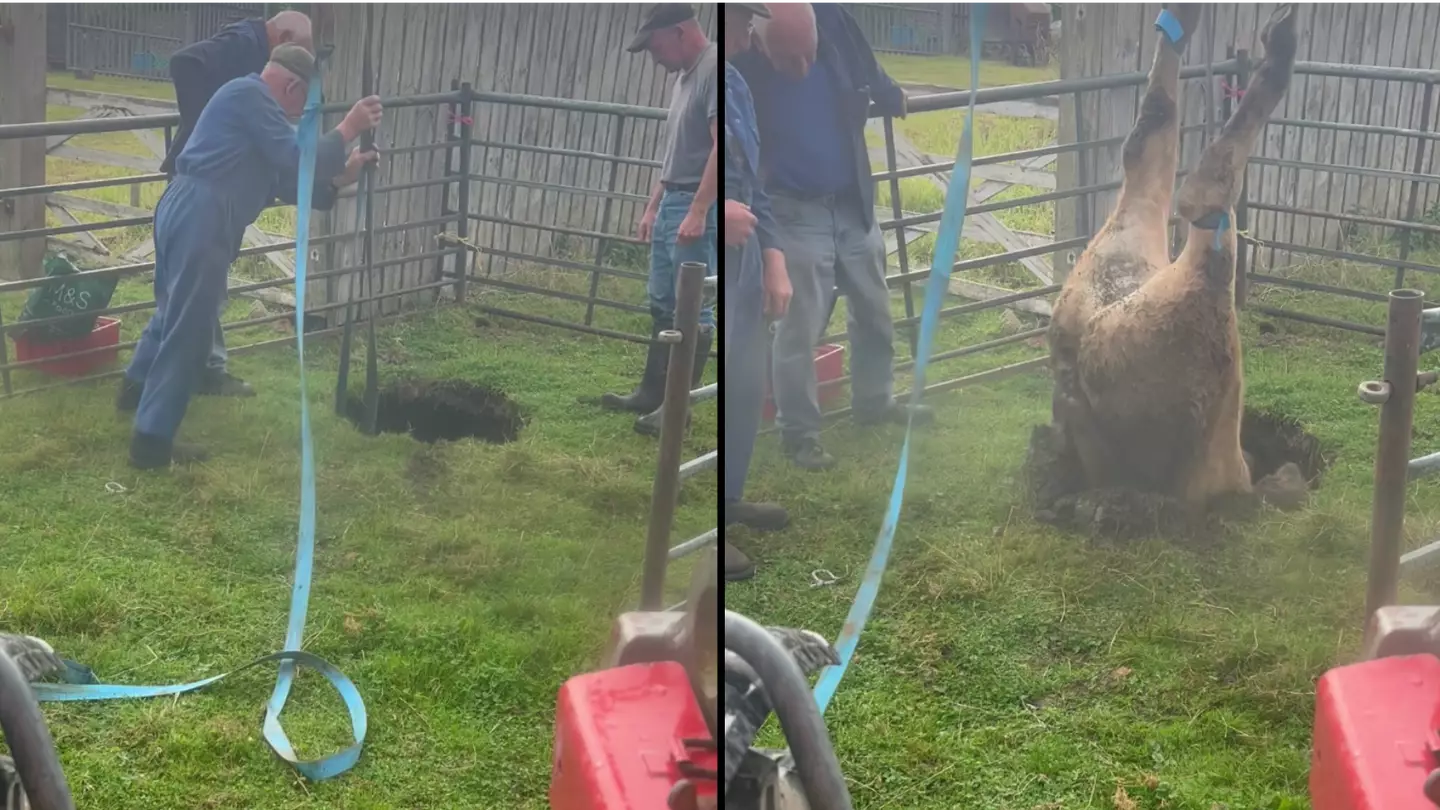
[[619, 739], [1375, 735], [829, 365], [105, 334]]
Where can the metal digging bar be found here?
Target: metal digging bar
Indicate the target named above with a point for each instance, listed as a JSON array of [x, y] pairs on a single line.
[[795, 708], [30, 742], [1396, 397], [364, 201], [673, 412], [371, 398]]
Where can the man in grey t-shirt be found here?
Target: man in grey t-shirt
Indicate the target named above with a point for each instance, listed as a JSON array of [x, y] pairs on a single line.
[[679, 219]]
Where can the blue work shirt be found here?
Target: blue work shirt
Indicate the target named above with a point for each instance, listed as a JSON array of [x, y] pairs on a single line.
[[199, 70], [858, 80], [807, 150], [245, 151], [744, 277]]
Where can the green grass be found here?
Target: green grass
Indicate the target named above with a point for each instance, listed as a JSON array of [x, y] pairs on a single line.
[[457, 584], [118, 85], [954, 71], [1009, 665]]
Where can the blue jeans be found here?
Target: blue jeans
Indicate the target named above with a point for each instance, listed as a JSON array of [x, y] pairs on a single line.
[[666, 255]]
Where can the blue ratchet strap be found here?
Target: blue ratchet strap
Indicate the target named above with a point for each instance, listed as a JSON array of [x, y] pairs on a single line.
[[340, 762], [1169, 25], [947, 245], [1220, 230]]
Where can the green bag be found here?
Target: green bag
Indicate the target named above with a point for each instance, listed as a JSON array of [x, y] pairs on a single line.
[[65, 296]]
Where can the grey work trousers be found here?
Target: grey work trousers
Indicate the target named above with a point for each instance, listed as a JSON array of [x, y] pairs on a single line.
[[828, 246]]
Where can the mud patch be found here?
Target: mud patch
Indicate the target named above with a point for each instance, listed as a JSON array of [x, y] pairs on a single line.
[[443, 410], [1285, 463]]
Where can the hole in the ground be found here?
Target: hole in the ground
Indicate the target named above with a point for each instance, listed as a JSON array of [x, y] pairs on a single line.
[[442, 410], [1270, 443]]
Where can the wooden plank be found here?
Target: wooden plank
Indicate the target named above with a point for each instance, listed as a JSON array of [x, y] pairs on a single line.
[[22, 162], [1067, 166], [77, 250], [86, 100], [52, 141], [142, 251], [270, 295], [283, 260], [1039, 163], [152, 141], [987, 227], [988, 189], [81, 237], [103, 158], [1015, 175], [975, 291], [93, 206]]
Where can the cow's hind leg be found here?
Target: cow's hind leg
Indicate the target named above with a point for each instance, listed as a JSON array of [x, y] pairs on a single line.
[[1214, 187], [1151, 151]]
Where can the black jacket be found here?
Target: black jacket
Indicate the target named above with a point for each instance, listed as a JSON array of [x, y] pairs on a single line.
[[200, 69]]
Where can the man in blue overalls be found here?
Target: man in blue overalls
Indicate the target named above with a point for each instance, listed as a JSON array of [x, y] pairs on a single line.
[[242, 154], [756, 288], [198, 71]]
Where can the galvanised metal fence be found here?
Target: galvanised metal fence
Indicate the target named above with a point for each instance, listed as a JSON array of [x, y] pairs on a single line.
[[1405, 228], [565, 286]]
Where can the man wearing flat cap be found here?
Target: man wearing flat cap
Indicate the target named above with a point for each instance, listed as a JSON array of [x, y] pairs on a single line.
[[242, 154], [679, 219], [197, 72]]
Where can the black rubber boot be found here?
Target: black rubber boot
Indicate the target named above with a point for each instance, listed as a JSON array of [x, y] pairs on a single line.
[[154, 453], [648, 395], [221, 383], [128, 400], [738, 566], [649, 424]]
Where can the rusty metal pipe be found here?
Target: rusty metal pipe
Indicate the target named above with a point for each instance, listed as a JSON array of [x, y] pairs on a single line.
[[1392, 455], [673, 413]]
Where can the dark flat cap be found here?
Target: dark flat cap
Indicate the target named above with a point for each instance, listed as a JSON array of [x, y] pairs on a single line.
[[659, 16], [295, 59]]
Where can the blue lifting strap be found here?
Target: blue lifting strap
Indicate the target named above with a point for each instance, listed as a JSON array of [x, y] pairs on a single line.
[[337, 763], [947, 244], [1169, 25]]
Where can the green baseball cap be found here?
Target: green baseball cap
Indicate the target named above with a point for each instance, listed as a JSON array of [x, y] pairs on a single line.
[[658, 17], [295, 59], [758, 9]]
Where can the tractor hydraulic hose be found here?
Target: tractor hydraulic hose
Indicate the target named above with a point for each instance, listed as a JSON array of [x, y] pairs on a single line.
[[29, 740], [799, 717]]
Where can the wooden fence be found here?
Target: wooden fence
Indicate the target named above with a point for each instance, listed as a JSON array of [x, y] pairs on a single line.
[[573, 51], [1107, 39], [138, 39]]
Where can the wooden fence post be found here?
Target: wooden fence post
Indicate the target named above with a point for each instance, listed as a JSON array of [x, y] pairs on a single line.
[[22, 162]]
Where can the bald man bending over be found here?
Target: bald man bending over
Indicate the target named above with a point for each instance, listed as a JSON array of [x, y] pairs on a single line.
[[242, 154], [198, 71]]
